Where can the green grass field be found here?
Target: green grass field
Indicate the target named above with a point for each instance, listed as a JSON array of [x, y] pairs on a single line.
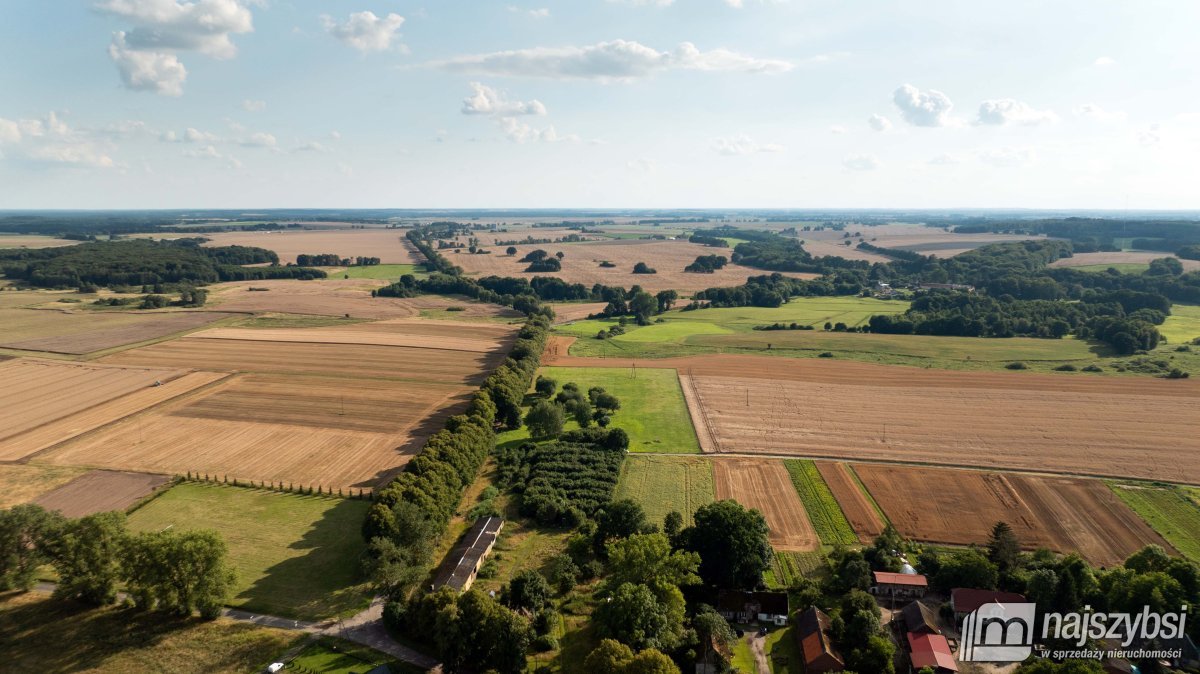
[[652, 412], [40, 634], [787, 568], [1169, 511], [337, 656], [1123, 267], [296, 556], [1183, 325], [665, 483], [823, 509], [377, 271]]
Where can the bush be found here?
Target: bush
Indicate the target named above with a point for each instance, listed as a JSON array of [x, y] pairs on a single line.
[[643, 268], [1093, 368], [1017, 365], [825, 354], [544, 643], [1066, 368], [1176, 373]]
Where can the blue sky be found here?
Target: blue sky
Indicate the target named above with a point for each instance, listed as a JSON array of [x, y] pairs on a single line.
[[598, 103]]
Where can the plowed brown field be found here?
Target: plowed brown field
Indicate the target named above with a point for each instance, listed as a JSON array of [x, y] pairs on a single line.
[[37, 392], [861, 514], [766, 486], [1106, 426], [101, 491], [581, 264], [961, 506]]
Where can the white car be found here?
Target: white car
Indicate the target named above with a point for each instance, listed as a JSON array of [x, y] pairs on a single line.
[[275, 667]]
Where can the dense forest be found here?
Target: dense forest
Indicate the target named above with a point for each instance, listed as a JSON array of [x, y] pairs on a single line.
[[1101, 234], [140, 262]]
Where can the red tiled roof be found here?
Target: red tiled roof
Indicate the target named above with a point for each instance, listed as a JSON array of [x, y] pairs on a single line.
[[885, 578], [966, 600], [931, 650]]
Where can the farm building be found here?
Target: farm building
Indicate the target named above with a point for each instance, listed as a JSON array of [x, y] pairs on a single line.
[[919, 618], [748, 607], [899, 584], [462, 565], [816, 647], [931, 650], [964, 600]]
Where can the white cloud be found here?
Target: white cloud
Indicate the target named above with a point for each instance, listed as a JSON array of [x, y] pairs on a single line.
[[861, 162], [519, 132], [1008, 157], [1151, 136], [1093, 111], [254, 106], [53, 141], [742, 144], [837, 129], [487, 101], [1104, 62], [928, 107], [211, 152], [364, 31], [147, 54], [259, 140], [197, 136], [1000, 111], [540, 13], [644, 3], [615, 60], [159, 72], [879, 122], [946, 159], [335, 134], [312, 146], [641, 164]]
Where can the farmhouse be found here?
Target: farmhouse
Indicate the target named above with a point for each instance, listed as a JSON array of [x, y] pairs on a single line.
[[931, 650], [899, 584], [964, 600], [748, 607], [462, 565], [919, 618], [812, 636]]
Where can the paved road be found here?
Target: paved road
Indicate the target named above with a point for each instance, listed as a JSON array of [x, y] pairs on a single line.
[[366, 628]]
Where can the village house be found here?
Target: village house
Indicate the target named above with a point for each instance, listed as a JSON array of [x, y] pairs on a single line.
[[965, 600], [899, 585], [931, 650], [812, 636], [747, 607], [920, 618]]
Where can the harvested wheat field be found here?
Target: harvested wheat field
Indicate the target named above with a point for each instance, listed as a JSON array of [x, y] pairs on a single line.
[[565, 312], [336, 297], [100, 491], [389, 245], [1124, 257], [908, 236], [1136, 427], [960, 507], [444, 337], [855, 504], [81, 332], [38, 392], [766, 486], [581, 264], [47, 435], [350, 361], [21, 483]]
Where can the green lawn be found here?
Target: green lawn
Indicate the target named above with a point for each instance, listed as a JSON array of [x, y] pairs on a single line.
[[823, 509], [1183, 325], [653, 411], [337, 656], [40, 634], [296, 556], [665, 483], [1123, 267], [378, 271], [1169, 511]]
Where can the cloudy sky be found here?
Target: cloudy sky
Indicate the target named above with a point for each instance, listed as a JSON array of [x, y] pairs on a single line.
[[599, 103]]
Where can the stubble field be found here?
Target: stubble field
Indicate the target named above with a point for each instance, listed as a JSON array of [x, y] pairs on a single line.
[[959, 507], [764, 484], [581, 264], [389, 245], [860, 512], [100, 491], [82, 332], [1119, 258]]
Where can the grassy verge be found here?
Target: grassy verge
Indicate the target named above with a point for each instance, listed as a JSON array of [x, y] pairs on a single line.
[[293, 321], [40, 634], [662, 484], [296, 556], [388, 272], [337, 656], [653, 411], [1168, 510], [823, 509]]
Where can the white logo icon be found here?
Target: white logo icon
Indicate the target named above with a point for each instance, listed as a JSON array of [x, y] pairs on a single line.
[[998, 633]]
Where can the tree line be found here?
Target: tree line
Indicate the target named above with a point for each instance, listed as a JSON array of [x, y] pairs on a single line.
[[334, 260], [174, 571]]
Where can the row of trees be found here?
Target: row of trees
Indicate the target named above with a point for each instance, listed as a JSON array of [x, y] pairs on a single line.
[[334, 260], [176, 571]]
